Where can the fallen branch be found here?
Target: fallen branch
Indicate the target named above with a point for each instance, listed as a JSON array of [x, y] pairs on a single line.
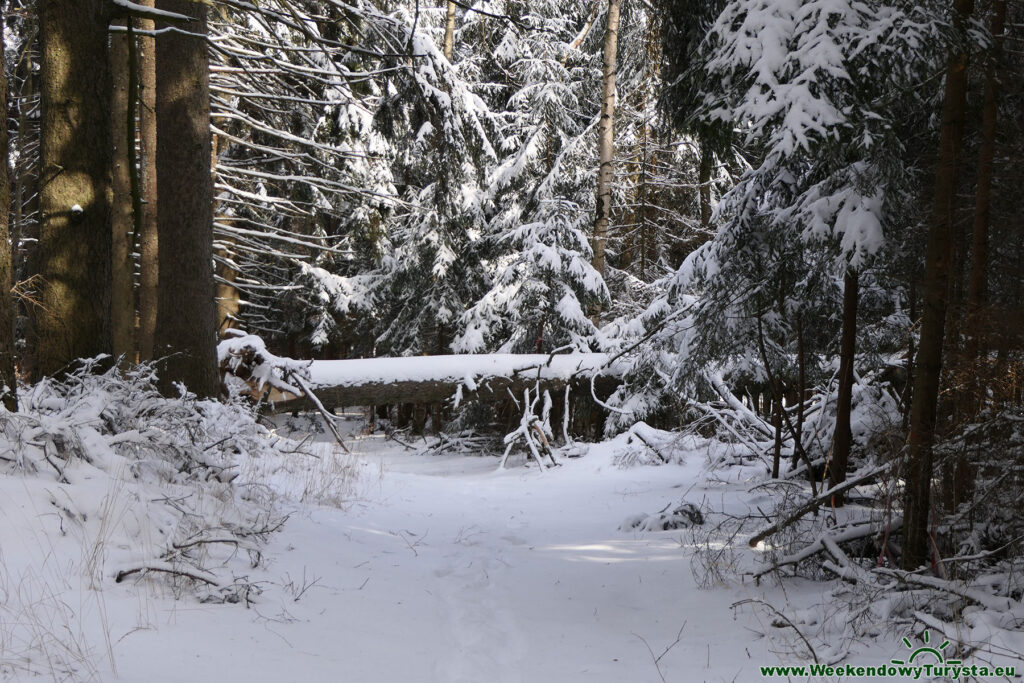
[[657, 658], [785, 621], [992, 602], [527, 425], [828, 543], [390, 434], [328, 417], [188, 573], [650, 446], [184, 545], [954, 633], [751, 445], [816, 502], [755, 422]]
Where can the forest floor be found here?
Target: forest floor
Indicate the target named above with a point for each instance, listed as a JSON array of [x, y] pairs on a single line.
[[440, 568], [443, 569]]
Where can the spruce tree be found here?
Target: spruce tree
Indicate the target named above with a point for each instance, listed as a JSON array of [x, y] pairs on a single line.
[[185, 321], [72, 317]]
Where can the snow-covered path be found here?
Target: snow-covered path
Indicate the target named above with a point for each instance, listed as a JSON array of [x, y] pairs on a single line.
[[447, 571]]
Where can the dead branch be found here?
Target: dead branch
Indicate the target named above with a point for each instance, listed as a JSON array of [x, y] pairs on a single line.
[[998, 603], [648, 444], [816, 502], [828, 543], [784, 621], [194, 574], [328, 417]]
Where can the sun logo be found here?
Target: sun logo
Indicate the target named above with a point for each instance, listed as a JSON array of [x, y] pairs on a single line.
[[926, 649]]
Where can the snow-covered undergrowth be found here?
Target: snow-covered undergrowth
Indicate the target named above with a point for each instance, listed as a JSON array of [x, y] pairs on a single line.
[[109, 489], [971, 594], [841, 596]]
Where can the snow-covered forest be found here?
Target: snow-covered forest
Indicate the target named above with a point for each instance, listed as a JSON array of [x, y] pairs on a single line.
[[548, 340]]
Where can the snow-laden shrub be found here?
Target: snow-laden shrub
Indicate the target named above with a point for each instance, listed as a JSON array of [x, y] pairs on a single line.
[[642, 444], [683, 516], [106, 482]]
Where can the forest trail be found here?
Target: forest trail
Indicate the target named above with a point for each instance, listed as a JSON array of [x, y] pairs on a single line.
[[444, 570]]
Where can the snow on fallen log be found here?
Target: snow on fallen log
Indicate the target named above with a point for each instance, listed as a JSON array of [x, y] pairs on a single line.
[[432, 379], [245, 357]]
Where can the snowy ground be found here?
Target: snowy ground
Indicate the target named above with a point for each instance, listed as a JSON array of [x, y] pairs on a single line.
[[434, 568], [446, 571]]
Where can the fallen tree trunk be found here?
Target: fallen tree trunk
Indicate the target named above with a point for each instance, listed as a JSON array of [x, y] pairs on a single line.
[[434, 379]]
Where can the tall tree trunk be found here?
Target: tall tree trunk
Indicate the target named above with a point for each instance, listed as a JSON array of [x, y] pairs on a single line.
[[777, 409], [970, 398], [908, 389], [72, 319], [7, 377], [983, 202], [918, 473], [449, 31], [148, 243], [26, 178], [186, 315], [843, 437], [606, 137], [801, 389], [645, 160], [122, 126]]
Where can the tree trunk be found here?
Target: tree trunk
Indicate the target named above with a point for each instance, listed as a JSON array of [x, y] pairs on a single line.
[[843, 437], [449, 31], [8, 379], [801, 389], [970, 398], [148, 263], [186, 314], [72, 319], [777, 409], [908, 390], [918, 473], [122, 127], [606, 137], [982, 205], [424, 392]]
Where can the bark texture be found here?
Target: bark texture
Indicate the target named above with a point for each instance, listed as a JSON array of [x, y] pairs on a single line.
[[606, 137], [185, 334], [122, 295], [843, 437], [148, 241], [976, 294], [8, 379], [449, 31], [918, 473], [432, 391], [72, 319]]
